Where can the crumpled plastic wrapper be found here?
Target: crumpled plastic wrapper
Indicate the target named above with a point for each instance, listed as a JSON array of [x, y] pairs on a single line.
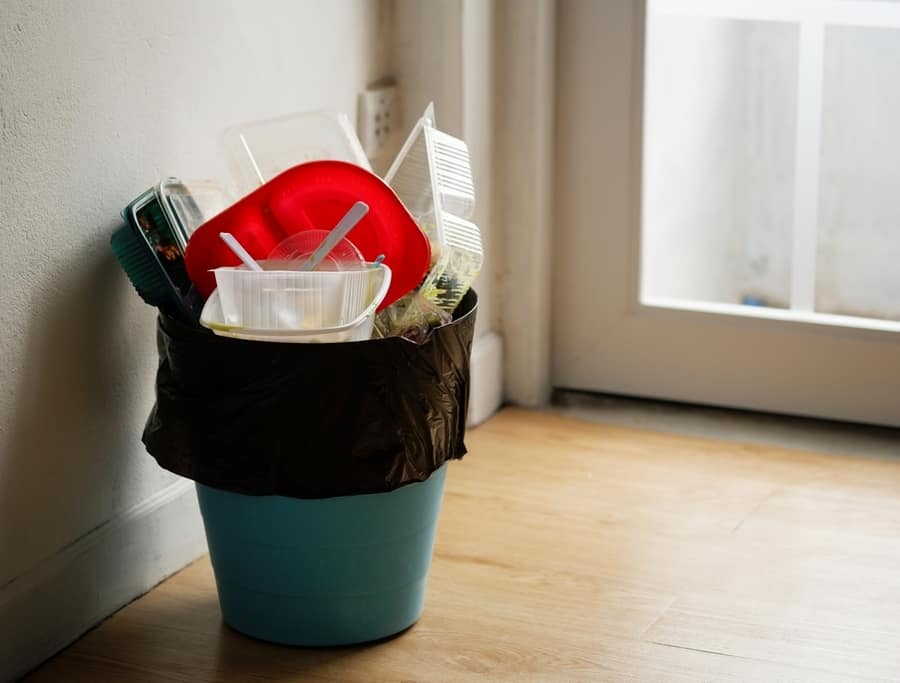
[[310, 420], [413, 317]]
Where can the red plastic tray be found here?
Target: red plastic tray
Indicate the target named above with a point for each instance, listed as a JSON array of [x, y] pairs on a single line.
[[315, 196]]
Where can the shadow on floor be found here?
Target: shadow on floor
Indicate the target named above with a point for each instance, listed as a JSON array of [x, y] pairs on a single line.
[[785, 431]]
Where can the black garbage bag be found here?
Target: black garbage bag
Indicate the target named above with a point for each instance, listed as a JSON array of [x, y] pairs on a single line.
[[310, 420]]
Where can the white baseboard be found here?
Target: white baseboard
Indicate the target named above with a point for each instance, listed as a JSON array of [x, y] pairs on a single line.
[[486, 389], [60, 599]]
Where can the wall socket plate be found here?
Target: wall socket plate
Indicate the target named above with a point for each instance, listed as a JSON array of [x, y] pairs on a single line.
[[379, 116]]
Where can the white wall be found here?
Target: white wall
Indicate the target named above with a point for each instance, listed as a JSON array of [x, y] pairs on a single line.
[[97, 101]]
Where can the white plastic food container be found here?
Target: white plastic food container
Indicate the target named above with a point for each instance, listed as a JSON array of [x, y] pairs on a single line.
[[432, 175], [295, 306]]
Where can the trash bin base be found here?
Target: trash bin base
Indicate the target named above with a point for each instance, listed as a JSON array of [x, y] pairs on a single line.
[[330, 571], [325, 621]]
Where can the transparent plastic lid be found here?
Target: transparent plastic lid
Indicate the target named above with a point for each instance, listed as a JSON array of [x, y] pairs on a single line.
[[260, 150], [297, 248], [189, 204]]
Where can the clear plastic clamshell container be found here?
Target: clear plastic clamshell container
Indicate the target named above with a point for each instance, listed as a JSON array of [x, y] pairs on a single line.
[[432, 175]]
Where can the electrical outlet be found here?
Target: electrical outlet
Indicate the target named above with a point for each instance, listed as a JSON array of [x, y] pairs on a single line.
[[379, 116]]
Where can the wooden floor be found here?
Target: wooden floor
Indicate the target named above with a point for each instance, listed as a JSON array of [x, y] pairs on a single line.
[[573, 551]]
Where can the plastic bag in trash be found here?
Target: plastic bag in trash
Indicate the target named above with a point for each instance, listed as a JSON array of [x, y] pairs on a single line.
[[310, 420]]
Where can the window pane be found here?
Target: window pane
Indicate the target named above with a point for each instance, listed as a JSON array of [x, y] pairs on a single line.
[[719, 127], [858, 255]]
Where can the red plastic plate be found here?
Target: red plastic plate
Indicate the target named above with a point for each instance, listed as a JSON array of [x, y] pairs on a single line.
[[315, 196]]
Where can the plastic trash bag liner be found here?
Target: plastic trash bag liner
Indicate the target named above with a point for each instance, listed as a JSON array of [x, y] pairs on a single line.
[[310, 420]]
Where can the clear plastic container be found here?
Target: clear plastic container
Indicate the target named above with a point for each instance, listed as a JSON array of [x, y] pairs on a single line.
[[260, 150], [360, 329], [278, 304], [432, 175], [301, 245], [189, 204]]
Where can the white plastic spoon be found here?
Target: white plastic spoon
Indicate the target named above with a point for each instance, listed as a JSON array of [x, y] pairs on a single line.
[[239, 251], [338, 232]]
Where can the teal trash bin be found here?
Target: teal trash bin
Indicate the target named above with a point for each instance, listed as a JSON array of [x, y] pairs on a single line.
[[327, 571], [319, 470]]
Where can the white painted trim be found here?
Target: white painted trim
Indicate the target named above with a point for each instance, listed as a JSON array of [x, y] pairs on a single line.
[[58, 600], [810, 72], [486, 388], [872, 14], [526, 112], [875, 328]]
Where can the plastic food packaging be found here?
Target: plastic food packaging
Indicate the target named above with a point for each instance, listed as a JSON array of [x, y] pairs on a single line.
[[300, 246], [149, 249], [432, 176], [310, 420], [260, 150], [150, 244], [314, 196], [294, 306], [413, 317], [189, 204]]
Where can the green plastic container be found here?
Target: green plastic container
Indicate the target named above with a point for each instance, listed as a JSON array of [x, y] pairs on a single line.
[[330, 571]]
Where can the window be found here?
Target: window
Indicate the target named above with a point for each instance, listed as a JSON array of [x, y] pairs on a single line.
[[770, 177]]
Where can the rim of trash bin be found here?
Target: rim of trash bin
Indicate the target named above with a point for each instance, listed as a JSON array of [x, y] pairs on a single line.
[[180, 330]]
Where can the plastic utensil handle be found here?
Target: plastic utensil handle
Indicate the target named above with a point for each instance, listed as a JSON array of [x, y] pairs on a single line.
[[239, 251], [338, 232]]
